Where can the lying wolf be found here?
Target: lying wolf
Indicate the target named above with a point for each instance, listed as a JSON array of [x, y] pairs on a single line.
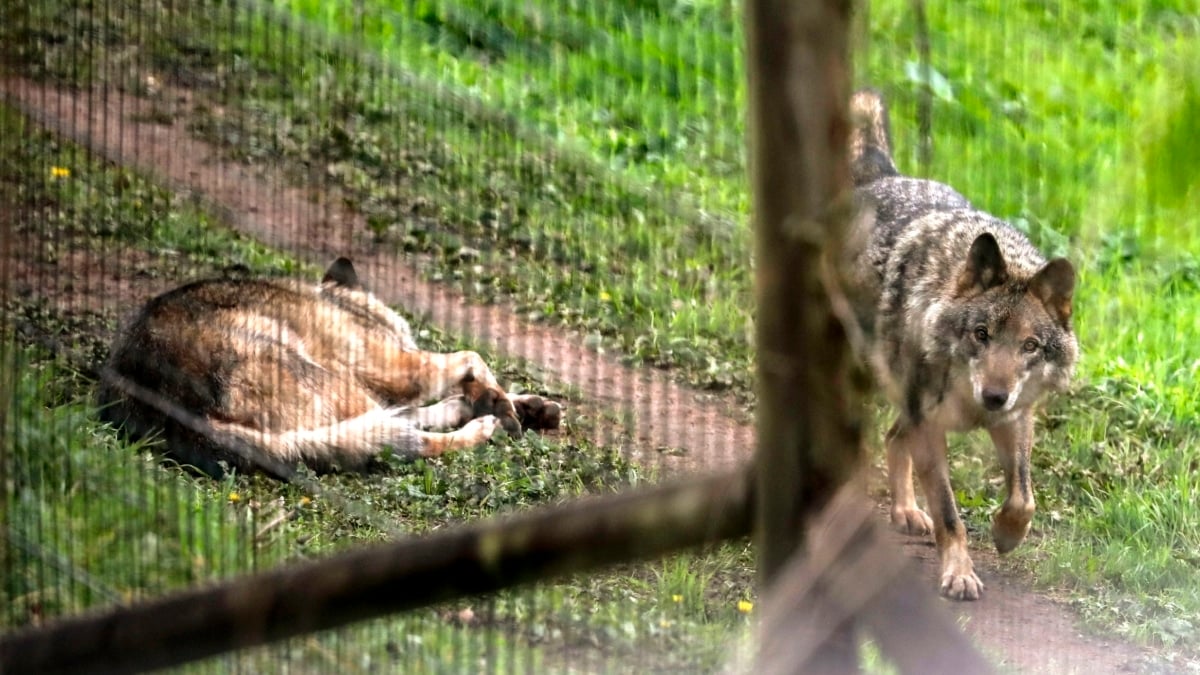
[[966, 326], [252, 374]]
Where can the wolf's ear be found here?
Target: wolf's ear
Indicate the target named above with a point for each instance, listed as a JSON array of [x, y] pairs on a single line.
[[1054, 286], [985, 266], [341, 273]]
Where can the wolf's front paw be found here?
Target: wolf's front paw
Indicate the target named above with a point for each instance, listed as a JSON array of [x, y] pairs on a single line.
[[959, 581], [911, 520], [1010, 525], [535, 412], [493, 401]]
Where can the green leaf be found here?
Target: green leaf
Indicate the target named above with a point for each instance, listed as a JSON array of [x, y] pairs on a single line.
[[929, 77]]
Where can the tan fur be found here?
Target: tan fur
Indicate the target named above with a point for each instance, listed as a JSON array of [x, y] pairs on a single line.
[[262, 374]]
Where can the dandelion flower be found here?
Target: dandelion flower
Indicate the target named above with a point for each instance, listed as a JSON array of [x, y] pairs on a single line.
[[745, 606], [234, 497], [60, 172]]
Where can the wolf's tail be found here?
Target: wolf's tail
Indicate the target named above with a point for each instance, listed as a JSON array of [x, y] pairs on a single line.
[[870, 138]]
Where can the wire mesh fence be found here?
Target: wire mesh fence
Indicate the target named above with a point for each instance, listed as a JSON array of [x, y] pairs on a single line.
[[562, 188], [169, 143]]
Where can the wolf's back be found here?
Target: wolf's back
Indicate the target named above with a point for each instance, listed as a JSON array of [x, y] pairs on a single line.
[[893, 200], [170, 368], [225, 370]]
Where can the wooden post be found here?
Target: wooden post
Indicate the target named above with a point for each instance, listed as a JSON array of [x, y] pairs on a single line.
[[808, 409]]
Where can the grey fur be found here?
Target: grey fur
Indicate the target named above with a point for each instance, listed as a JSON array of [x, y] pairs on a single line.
[[965, 325], [911, 252], [264, 374]]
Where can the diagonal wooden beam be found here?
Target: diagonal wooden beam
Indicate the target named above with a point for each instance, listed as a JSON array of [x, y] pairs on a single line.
[[371, 582], [854, 571]]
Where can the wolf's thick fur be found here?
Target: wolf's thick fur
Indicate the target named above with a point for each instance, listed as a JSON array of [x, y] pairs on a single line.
[[966, 326], [254, 374]]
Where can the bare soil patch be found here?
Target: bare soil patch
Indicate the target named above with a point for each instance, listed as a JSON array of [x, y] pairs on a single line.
[[673, 426]]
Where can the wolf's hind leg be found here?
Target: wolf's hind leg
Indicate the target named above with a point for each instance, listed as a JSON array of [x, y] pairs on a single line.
[[416, 375], [350, 444], [476, 432], [408, 376]]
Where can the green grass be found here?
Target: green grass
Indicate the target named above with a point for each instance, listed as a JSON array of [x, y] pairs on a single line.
[[63, 466], [92, 521], [588, 160]]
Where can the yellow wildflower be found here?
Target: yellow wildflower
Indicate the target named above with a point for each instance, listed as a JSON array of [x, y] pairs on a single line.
[[745, 606], [234, 497], [305, 501], [676, 598], [60, 172]]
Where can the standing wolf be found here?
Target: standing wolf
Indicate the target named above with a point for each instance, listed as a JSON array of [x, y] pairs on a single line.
[[253, 374], [966, 326]]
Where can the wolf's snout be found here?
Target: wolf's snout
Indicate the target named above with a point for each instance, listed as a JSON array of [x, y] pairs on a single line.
[[994, 399]]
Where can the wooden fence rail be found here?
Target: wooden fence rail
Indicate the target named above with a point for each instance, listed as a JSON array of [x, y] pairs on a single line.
[[387, 578]]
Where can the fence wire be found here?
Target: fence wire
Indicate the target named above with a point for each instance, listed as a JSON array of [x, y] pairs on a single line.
[[165, 143], [560, 186]]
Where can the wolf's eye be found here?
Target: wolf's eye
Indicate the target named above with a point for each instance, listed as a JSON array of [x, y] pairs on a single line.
[[1030, 345], [981, 334]]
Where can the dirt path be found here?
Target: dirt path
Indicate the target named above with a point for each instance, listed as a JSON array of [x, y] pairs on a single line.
[[1030, 633]]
